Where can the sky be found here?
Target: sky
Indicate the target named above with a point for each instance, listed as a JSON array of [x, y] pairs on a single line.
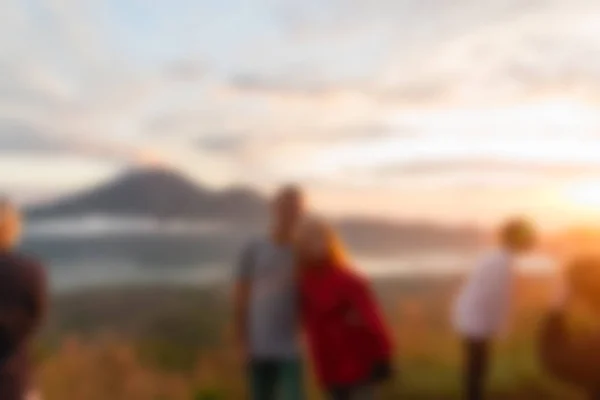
[[461, 111]]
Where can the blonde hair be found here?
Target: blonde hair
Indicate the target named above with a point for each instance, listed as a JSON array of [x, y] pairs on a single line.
[[10, 225], [336, 251], [516, 232]]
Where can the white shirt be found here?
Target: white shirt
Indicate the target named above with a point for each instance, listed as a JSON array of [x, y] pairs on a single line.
[[482, 306]]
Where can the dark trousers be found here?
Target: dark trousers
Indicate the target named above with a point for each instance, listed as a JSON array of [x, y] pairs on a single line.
[[476, 368], [365, 392], [276, 379]]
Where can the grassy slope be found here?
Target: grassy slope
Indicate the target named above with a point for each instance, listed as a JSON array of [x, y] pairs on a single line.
[[179, 339]]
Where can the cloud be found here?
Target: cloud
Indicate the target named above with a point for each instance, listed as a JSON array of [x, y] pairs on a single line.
[[432, 52], [185, 71], [18, 137], [332, 90], [73, 25], [52, 173], [546, 48], [283, 85], [486, 167], [223, 142]]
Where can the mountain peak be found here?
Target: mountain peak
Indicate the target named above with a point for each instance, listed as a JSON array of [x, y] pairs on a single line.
[[160, 193]]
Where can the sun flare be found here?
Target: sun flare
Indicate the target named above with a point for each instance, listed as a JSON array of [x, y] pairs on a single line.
[[584, 194]]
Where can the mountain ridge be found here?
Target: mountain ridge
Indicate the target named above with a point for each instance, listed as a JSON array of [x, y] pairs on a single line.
[[167, 195], [158, 193]]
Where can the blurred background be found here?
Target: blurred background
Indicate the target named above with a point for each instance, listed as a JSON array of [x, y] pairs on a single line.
[[142, 140]]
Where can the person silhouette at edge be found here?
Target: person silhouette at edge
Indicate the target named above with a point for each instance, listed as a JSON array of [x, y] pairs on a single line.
[[572, 356], [23, 305]]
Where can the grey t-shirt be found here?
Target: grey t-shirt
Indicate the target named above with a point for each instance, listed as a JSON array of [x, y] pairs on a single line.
[[273, 314]]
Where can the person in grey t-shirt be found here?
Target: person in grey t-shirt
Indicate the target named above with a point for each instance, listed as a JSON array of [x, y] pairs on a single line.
[[266, 312]]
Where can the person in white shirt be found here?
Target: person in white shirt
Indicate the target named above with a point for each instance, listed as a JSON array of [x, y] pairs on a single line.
[[482, 306]]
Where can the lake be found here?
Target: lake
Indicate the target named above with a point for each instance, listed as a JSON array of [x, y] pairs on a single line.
[[94, 253]]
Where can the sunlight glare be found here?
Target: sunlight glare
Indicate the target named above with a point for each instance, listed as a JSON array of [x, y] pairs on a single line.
[[584, 194]]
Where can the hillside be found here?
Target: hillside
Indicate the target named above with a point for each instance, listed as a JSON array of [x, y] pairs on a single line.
[[167, 195], [157, 193]]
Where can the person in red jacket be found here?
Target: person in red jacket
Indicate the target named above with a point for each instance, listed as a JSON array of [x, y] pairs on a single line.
[[347, 336]]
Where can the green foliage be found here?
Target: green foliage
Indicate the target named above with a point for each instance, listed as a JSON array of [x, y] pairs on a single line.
[[209, 394], [173, 346]]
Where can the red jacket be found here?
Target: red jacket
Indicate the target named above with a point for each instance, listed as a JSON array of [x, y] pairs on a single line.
[[346, 333]]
